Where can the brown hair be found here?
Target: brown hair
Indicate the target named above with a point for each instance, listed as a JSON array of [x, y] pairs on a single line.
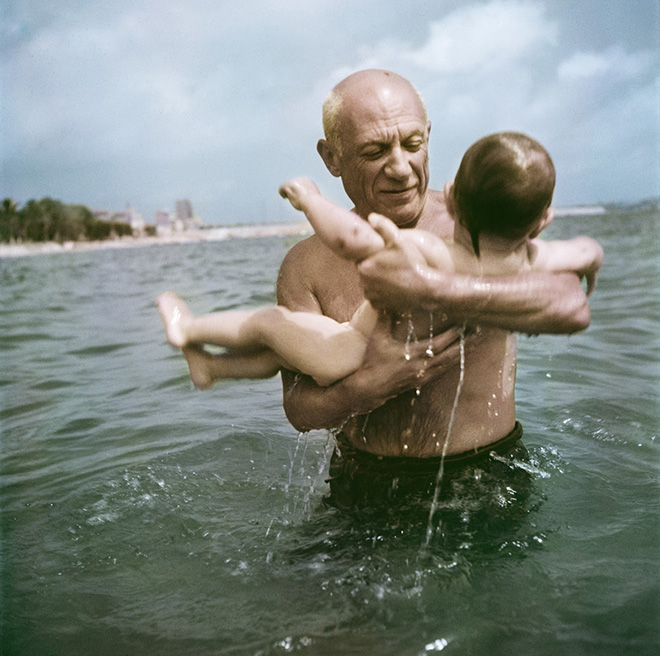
[[503, 185]]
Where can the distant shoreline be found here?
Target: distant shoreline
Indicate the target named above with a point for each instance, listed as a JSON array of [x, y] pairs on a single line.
[[580, 210], [187, 237], [211, 234]]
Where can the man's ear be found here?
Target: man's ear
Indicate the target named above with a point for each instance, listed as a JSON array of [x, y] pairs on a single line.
[[329, 157]]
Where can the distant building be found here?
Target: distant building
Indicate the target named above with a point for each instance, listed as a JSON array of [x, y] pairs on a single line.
[[163, 221], [129, 216], [135, 220], [184, 213], [183, 218]]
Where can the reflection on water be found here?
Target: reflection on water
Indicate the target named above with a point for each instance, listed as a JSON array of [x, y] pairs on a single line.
[[140, 516]]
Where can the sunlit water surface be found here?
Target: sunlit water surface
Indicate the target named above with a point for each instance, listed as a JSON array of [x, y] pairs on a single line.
[[142, 517]]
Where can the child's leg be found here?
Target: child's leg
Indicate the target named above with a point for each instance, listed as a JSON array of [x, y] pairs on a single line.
[[312, 343], [175, 316], [231, 329], [365, 318], [207, 368]]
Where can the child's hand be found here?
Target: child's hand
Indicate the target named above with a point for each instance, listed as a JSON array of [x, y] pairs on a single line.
[[297, 189], [591, 281], [594, 254]]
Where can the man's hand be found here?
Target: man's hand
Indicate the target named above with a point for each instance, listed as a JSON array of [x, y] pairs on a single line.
[[391, 367], [296, 190], [395, 278]]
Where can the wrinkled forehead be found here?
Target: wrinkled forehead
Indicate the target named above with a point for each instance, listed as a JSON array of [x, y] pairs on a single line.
[[370, 113]]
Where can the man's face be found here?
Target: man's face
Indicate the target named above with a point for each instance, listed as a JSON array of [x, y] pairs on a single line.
[[384, 163]]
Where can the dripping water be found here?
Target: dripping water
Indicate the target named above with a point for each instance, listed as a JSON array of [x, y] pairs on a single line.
[[441, 468], [429, 348], [297, 378], [409, 337], [293, 459], [364, 428]]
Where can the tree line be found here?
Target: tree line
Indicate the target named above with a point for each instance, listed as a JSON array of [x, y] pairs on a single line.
[[51, 220]]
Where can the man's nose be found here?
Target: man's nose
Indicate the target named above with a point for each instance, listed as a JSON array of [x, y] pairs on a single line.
[[397, 165]]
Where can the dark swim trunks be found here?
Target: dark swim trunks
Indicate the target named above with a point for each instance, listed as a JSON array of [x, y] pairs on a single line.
[[359, 479]]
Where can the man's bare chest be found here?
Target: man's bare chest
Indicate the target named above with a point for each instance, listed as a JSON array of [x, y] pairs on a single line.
[[337, 288]]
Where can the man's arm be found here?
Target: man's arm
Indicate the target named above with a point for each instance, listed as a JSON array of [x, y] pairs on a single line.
[[398, 278], [388, 369]]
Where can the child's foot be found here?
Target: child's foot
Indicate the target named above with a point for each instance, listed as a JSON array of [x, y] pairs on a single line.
[[199, 364], [176, 316]]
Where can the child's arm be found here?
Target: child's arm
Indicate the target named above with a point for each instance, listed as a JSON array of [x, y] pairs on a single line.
[[345, 233], [581, 255]]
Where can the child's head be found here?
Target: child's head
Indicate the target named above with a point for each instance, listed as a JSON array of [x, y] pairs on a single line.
[[503, 187]]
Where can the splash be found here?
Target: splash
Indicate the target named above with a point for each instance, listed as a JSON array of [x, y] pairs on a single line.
[[302, 437]]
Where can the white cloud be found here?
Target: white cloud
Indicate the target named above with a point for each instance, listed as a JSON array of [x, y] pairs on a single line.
[[502, 65], [484, 36], [474, 39], [227, 96], [614, 62]]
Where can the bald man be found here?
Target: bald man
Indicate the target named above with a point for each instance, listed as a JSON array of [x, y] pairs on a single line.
[[395, 409]]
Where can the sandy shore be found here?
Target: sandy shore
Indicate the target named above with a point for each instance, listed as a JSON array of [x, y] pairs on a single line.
[[212, 234]]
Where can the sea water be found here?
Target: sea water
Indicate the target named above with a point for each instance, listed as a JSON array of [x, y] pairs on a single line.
[[139, 516]]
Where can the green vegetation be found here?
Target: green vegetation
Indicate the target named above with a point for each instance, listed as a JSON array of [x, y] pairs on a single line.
[[52, 220]]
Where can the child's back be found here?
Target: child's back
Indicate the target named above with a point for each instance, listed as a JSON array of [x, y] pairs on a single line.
[[500, 200]]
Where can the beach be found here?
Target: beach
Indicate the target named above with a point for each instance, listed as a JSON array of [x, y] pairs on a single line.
[[184, 237]]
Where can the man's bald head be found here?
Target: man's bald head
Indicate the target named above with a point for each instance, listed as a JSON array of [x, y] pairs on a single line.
[[348, 95]]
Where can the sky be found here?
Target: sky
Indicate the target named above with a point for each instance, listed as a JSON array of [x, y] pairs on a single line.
[[143, 102]]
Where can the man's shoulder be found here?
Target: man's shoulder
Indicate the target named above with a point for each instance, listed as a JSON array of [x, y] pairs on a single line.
[[293, 281], [307, 268], [436, 196], [436, 217], [304, 253]]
